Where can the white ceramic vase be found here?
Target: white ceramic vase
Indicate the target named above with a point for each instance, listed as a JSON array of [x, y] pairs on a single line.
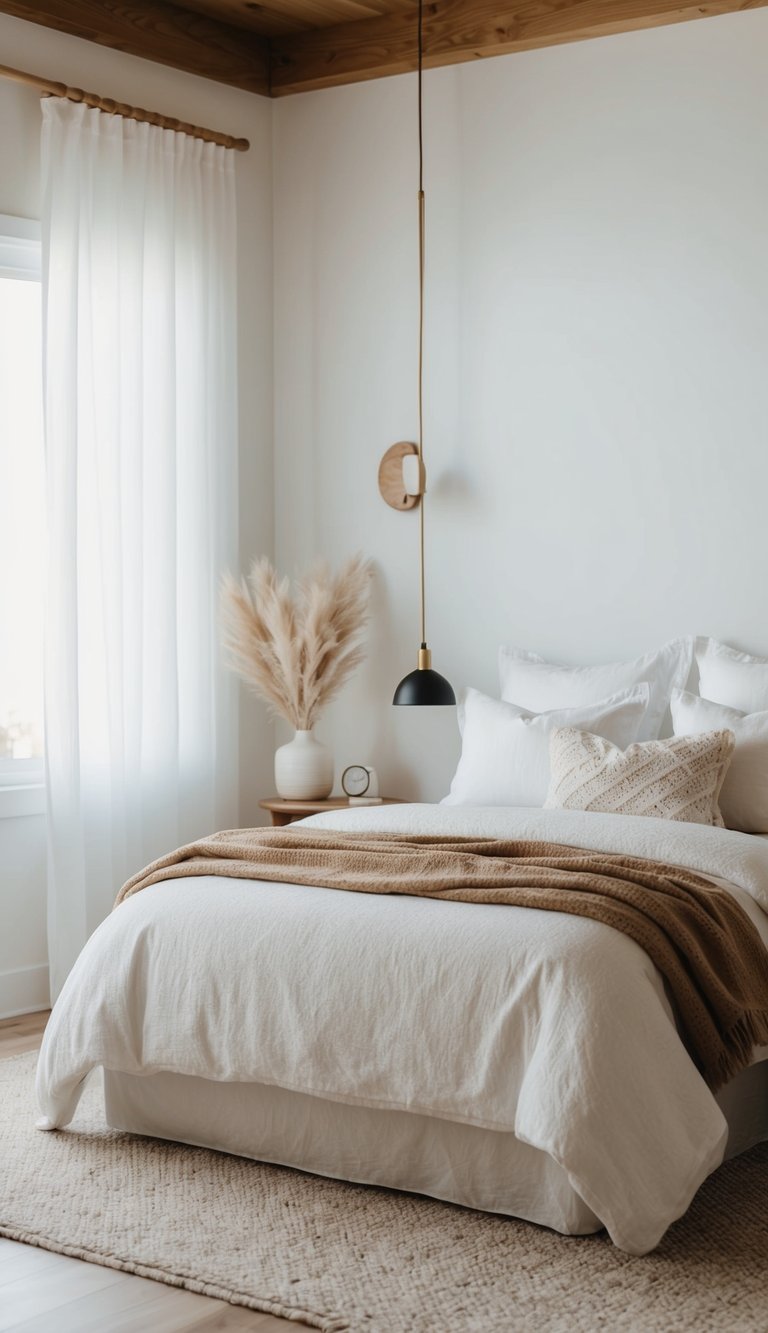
[[303, 769]]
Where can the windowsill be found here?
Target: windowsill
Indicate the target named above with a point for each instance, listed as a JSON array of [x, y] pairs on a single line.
[[25, 798]]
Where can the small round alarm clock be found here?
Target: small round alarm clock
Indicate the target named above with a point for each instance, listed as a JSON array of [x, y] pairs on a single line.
[[360, 783]]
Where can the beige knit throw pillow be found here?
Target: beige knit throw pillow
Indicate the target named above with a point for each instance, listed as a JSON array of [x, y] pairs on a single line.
[[678, 778]]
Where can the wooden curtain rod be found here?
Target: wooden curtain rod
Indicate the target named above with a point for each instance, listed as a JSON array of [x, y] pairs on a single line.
[[49, 88]]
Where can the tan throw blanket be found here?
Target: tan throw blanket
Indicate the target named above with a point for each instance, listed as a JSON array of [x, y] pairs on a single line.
[[698, 936]]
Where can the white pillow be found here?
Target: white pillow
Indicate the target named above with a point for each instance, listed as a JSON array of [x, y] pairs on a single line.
[[744, 797], [679, 778], [533, 683], [729, 677], [505, 749]]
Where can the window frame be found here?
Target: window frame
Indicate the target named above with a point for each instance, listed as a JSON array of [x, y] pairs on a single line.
[[22, 781], [20, 249]]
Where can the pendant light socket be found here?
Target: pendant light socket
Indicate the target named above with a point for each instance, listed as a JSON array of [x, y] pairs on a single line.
[[424, 687]]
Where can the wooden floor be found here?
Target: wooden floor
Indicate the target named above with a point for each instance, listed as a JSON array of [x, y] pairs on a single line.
[[41, 1292]]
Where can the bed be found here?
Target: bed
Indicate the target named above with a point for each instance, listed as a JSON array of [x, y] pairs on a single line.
[[518, 1061]]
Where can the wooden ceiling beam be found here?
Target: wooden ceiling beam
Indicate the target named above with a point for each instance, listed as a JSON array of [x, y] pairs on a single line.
[[461, 30], [156, 30], [187, 38]]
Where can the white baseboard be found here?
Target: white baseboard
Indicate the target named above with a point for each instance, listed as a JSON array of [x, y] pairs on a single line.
[[24, 990]]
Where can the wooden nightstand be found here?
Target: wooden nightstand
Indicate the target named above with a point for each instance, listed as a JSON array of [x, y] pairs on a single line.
[[285, 812]]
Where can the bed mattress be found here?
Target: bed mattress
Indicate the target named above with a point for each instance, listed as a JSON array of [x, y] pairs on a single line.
[[478, 1168], [550, 1032]]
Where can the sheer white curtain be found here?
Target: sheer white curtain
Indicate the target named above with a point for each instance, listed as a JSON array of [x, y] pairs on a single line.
[[140, 390]]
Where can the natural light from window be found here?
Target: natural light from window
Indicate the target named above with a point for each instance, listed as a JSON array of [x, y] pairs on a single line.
[[22, 523]]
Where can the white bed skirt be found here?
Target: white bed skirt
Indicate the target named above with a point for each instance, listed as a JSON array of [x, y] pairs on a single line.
[[478, 1168]]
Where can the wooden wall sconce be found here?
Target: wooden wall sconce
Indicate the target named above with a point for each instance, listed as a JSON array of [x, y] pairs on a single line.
[[402, 480]]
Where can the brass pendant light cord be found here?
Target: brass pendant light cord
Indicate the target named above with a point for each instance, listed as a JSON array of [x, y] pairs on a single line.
[[422, 686], [422, 600]]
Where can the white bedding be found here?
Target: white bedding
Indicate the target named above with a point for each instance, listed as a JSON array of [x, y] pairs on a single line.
[[549, 1026]]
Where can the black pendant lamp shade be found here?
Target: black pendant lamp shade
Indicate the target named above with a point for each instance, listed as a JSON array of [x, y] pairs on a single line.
[[424, 686]]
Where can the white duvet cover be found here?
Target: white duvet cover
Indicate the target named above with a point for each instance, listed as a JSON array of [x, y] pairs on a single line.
[[554, 1028]]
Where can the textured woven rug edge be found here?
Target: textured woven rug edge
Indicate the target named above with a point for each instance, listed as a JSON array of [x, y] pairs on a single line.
[[512, 1279], [326, 1323]]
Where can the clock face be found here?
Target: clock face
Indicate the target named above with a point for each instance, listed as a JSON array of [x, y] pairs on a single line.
[[355, 780]]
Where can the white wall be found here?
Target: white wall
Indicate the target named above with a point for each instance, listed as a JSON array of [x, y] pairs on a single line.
[[23, 978], [23, 953], [596, 358]]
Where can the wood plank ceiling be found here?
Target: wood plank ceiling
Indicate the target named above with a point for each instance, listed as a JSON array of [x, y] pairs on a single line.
[[276, 47]]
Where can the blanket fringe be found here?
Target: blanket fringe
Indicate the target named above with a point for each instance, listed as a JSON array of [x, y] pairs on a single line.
[[750, 1030]]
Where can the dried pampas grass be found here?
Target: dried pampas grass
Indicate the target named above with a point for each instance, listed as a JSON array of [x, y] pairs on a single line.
[[296, 650]]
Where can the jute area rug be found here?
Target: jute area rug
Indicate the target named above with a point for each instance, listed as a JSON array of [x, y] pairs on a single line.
[[346, 1257]]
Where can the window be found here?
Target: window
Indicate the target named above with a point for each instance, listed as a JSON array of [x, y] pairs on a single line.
[[22, 505]]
